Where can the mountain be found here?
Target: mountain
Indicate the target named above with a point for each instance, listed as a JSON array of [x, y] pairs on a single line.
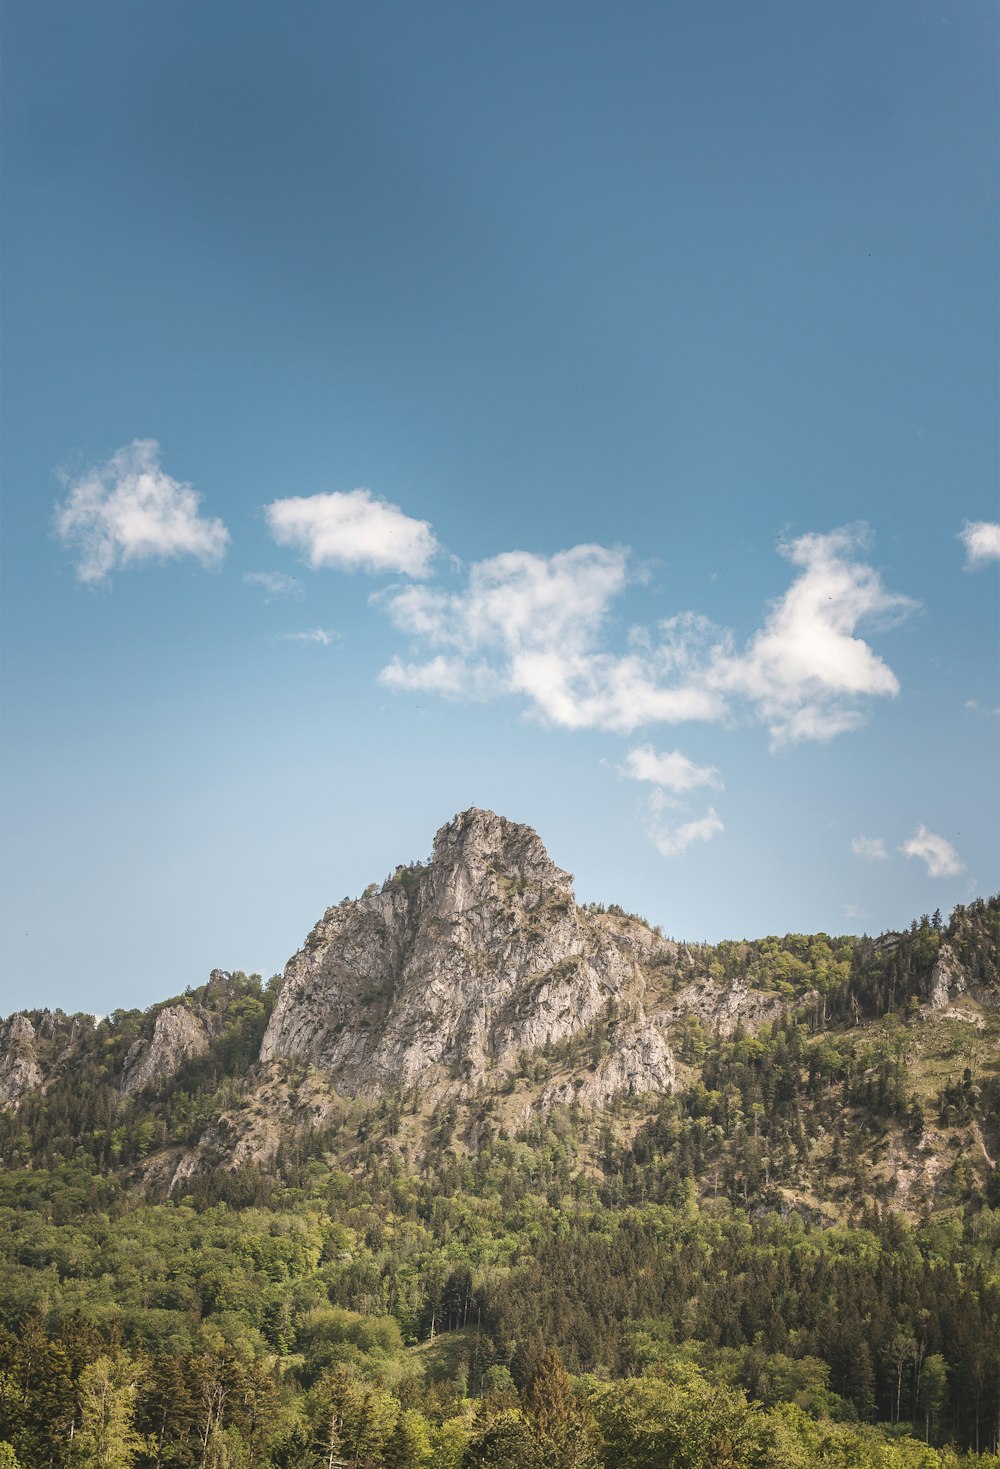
[[471, 995], [368, 1212]]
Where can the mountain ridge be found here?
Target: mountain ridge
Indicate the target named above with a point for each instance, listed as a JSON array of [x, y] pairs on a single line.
[[470, 997]]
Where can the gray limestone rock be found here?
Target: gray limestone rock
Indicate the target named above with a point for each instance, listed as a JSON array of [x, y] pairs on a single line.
[[178, 1035], [722, 1009], [454, 969], [19, 1068], [640, 1061], [948, 979]]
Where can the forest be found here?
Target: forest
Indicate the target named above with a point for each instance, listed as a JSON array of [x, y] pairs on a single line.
[[736, 1274]]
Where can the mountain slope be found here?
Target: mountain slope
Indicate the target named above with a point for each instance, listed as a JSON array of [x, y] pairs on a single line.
[[470, 998]]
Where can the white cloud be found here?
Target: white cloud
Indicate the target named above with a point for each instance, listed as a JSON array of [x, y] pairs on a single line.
[[672, 841], [535, 626], [450, 677], [672, 775], [602, 691], [805, 670], [939, 854], [670, 769], [353, 531], [981, 539], [311, 635], [518, 602], [872, 849], [530, 624], [129, 510], [275, 584]]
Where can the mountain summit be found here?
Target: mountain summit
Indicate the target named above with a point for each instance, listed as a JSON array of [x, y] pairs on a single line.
[[454, 969]]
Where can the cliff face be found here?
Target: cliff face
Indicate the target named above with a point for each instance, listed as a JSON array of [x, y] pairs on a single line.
[[19, 1068], [178, 1035], [454, 970]]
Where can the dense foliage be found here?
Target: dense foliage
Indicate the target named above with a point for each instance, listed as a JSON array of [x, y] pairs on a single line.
[[644, 1290]]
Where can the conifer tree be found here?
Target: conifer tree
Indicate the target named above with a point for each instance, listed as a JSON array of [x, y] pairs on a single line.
[[551, 1407]]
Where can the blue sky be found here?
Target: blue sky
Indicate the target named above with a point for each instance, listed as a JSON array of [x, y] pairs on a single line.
[[663, 340]]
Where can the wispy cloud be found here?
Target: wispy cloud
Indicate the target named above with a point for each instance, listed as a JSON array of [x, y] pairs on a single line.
[[670, 770], [353, 531], [310, 635], [275, 584], [871, 849], [939, 854], [531, 625], [981, 539], [129, 510], [672, 777], [535, 627], [672, 841]]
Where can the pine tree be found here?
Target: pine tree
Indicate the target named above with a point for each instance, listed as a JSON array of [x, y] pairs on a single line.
[[562, 1425]]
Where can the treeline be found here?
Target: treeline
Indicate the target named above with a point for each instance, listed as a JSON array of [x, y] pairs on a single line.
[[75, 1401], [870, 1304]]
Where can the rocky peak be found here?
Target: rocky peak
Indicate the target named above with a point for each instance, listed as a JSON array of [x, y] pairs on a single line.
[[454, 969], [479, 855]]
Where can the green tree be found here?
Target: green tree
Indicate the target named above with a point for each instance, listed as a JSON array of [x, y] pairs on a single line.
[[107, 1438], [565, 1430], [933, 1391], [167, 1409], [351, 1419], [36, 1393], [506, 1442], [409, 1444]]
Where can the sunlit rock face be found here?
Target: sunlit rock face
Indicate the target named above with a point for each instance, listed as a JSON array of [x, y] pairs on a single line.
[[20, 1072], [948, 979], [178, 1035], [455, 970]]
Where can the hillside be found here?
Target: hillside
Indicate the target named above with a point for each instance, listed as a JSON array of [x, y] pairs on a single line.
[[475, 1125]]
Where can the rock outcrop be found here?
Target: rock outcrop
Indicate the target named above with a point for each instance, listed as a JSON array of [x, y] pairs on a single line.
[[454, 970], [179, 1034], [19, 1069], [722, 1009], [948, 979], [638, 1061]]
